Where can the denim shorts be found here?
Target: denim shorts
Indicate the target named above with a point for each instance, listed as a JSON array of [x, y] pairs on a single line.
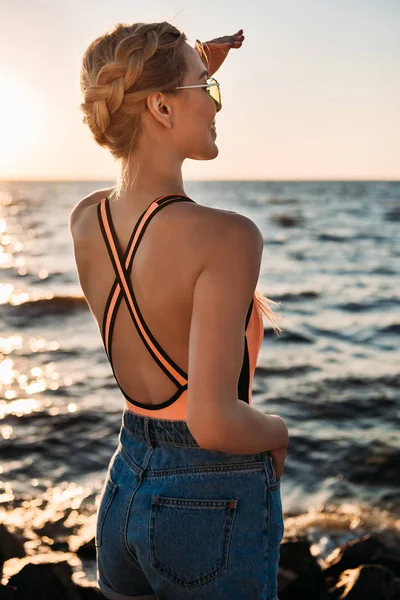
[[176, 521]]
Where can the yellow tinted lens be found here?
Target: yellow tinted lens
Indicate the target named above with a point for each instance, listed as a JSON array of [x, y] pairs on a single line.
[[215, 94]]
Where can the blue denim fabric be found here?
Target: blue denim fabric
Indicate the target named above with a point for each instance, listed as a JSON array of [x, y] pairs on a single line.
[[179, 522]]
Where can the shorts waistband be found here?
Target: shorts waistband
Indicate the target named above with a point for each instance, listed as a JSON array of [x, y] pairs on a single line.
[[158, 430]]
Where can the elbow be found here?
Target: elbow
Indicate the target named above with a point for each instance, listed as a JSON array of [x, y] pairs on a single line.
[[199, 436], [208, 433]]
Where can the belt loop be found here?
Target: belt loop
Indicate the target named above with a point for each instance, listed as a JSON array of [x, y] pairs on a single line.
[[147, 431]]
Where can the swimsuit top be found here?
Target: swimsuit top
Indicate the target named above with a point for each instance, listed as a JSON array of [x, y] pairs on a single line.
[[175, 407]]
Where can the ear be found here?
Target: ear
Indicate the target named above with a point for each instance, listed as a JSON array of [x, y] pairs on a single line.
[[159, 105]]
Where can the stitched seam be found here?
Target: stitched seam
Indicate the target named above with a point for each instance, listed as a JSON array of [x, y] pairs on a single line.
[[129, 462], [124, 539], [204, 470]]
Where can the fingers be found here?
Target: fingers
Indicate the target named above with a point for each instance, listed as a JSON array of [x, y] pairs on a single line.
[[236, 39], [233, 41]]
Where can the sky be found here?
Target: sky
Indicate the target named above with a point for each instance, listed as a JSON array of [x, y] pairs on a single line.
[[312, 94]]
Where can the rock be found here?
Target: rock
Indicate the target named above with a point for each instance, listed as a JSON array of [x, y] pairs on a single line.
[[371, 582], [61, 546], [372, 549], [45, 581], [7, 593], [87, 550], [300, 576], [11, 544], [396, 590], [90, 593]]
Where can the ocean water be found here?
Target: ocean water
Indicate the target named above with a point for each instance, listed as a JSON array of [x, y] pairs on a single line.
[[331, 259]]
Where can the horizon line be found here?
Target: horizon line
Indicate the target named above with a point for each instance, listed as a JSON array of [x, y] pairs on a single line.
[[13, 180]]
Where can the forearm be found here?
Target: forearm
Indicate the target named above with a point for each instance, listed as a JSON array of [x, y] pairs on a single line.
[[249, 431]]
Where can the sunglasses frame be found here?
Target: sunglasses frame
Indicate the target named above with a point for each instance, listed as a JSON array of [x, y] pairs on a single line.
[[213, 81]]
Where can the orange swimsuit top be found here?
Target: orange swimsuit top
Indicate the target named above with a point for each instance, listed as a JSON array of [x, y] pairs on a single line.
[[175, 407]]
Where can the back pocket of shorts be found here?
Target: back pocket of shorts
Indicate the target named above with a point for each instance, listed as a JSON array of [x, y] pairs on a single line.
[[190, 538]]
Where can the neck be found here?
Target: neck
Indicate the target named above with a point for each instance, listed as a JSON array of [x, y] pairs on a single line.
[[159, 175]]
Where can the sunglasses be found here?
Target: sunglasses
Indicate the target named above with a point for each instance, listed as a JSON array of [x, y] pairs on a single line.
[[212, 87]]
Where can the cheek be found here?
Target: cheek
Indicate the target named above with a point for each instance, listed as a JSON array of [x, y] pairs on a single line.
[[203, 108], [211, 108], [197, 121], [194, 123]]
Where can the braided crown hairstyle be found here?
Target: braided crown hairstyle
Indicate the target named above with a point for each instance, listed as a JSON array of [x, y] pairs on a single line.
[[119, 70]]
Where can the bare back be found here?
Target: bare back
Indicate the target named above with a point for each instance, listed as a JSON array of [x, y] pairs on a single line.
[[166, 265]]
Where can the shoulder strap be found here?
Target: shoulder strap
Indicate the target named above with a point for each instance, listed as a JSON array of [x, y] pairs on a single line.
[[122, 285]]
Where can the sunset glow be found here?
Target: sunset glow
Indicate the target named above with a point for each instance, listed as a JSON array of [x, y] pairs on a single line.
[[21, 121]]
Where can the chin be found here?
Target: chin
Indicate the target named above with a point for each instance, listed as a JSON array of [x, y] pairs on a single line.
[[211, 152], [215, 151]]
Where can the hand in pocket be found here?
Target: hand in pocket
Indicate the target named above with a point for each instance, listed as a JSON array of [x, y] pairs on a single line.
[[278, 456]]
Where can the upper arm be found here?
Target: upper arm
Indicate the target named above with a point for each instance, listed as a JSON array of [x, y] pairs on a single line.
[[221, 299]]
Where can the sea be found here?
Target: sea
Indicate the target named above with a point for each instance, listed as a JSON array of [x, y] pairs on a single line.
[[330, 261]]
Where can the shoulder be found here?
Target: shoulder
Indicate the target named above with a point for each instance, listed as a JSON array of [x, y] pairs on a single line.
[[226, 228], [92, 199], [220, 236], [218, 220], [79, 214]]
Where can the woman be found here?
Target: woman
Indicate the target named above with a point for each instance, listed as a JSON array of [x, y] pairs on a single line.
[[191, 504]]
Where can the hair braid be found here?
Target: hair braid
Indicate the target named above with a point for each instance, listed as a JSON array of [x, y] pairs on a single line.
[[119, 70]]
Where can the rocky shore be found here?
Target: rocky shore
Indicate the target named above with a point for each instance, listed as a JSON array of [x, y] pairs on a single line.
[[365, 568]]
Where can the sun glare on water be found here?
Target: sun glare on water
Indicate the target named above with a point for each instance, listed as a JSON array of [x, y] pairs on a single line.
[[21, 121]]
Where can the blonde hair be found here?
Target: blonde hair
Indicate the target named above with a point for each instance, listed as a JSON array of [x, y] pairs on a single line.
[[263, 303], [119, 70]]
